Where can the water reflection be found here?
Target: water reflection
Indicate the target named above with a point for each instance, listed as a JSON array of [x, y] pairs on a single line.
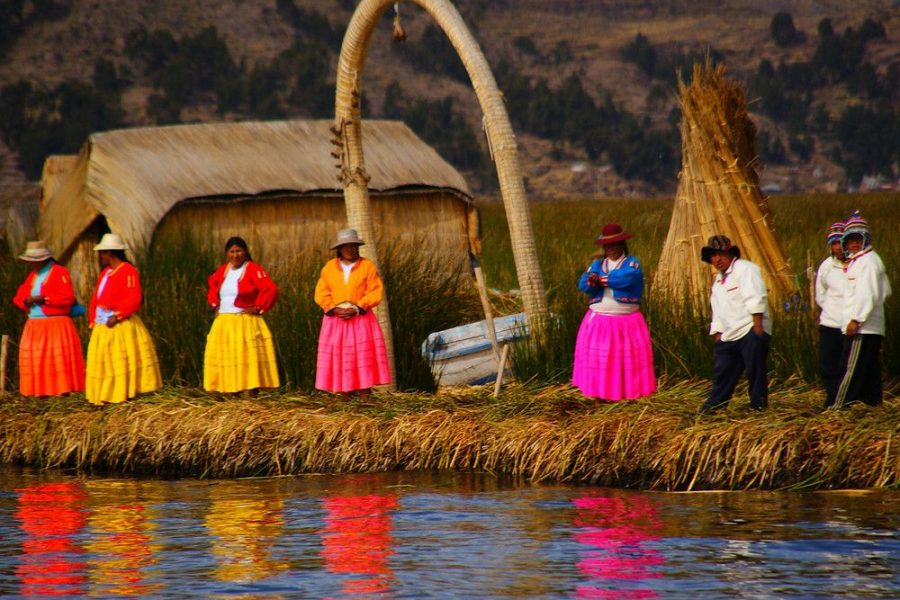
[[617, 529], [50, 516], [122, 543], [245, 530], [357, 541]]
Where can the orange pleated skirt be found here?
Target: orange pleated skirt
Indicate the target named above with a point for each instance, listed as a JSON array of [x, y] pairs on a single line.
[[50, 358]]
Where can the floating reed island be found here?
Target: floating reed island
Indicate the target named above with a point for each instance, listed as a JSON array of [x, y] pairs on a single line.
[[538, 433]]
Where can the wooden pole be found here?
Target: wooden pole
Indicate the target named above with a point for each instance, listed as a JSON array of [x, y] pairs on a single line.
[[501, 366], [485, 305], [4, 345]]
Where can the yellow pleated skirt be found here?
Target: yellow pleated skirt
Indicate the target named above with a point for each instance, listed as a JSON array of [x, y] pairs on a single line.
[[240, 355], [121, 362]]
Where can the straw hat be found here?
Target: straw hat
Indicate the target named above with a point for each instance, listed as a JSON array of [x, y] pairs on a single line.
[[347, 236], [612, 233], [110, 241], [36, 251], [718, 243]]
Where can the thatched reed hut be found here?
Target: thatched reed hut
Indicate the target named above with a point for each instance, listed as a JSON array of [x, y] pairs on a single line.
[[718, 193], [273, 183]]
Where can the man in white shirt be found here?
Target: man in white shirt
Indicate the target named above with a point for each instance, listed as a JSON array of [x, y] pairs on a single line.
[[867, 288], [831, 283], [740, 325]]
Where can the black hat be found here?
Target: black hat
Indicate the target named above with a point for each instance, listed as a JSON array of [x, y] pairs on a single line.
[[718, 243]]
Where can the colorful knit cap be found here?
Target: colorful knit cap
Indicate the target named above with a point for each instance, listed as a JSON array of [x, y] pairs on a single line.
[[835, 232], [856, 225]]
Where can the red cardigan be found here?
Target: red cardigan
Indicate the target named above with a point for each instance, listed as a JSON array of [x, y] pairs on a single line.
[[122, 293], [255, 288], [57, 290]]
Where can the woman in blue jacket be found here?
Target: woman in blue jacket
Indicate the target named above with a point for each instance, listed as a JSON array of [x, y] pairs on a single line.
[[613, 352]]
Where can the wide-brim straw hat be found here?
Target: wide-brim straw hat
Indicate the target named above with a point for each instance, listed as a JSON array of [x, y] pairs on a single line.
[[36, 251], [110, 241], [612, 233], [718, 243], [347, 236]]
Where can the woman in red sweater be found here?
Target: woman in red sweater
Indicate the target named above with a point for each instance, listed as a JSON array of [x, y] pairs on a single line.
[[121, 358], [240, 354], [50, 359]]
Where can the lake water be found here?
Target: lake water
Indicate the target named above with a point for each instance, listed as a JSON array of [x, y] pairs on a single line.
[[435, 535]]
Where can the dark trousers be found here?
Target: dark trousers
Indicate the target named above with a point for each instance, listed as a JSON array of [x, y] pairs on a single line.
[[730, 359], [861, 365], [831, 349]]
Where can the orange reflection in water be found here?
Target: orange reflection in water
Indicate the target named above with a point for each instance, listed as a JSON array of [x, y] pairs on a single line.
[[616, 528], [50, 515], [245, 531], [356, 540], [122, 542]]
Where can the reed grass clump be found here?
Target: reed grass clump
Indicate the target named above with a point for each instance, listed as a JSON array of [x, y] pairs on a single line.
[[540, 432]]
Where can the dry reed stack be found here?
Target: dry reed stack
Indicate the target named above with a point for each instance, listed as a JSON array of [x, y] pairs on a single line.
[[351, 165], [718, 193]]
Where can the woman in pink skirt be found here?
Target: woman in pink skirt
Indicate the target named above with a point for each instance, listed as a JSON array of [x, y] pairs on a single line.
[[613, 353], [352, 355]]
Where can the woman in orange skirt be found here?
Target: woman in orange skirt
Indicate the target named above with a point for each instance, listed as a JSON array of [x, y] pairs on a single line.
[[352, 354], [50, 359], [240, 353], [121, 358]]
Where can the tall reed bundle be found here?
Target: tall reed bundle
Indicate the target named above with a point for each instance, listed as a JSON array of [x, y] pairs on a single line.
[[542, 433], [718, 192]]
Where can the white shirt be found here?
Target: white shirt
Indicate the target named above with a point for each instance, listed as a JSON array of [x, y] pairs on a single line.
[[102, 314], [229, 290], [347, 268], [737, 295], [867, 289], [831, 285]]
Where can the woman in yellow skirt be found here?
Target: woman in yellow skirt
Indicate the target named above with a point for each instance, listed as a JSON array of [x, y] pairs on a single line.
[[240, 354], [50, 359], [121, 358]]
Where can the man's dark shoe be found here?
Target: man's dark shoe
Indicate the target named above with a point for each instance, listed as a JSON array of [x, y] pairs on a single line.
[[707, 409]]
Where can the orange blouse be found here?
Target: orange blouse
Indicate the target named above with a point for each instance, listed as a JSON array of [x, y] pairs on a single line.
[[363, 288]]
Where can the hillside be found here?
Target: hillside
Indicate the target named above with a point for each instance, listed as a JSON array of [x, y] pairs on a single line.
[[588, 119]]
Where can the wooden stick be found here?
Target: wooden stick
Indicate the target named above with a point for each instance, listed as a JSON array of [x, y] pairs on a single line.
[[501, 366], [485, 305], [4, 344]]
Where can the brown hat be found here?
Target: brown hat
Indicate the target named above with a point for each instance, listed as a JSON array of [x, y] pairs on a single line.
[[36, 251], [612, 233]]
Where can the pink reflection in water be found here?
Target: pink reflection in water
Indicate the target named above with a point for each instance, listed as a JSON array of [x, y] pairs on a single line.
[[356, 540], [616, 527], [50, 516]]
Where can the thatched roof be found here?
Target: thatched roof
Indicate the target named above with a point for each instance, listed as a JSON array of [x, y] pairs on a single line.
[[135, 176]]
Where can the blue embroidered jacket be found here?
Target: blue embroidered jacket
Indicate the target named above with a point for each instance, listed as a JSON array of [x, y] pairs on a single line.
[[626, 282]]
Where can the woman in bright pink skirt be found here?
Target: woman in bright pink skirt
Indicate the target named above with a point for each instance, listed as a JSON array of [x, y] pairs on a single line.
[[352, 355], [613, 352]]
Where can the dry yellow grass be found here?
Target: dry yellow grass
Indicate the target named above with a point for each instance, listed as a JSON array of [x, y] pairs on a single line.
[[539, 433]]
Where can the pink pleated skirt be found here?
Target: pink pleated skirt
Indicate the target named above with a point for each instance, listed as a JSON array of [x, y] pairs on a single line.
[[352, 355], [614, 357]]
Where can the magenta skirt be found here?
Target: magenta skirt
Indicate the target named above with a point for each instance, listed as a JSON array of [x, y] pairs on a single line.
[[614, 357], [352, 355]]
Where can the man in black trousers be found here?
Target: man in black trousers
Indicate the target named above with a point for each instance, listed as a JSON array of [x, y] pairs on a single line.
[[740, 325]]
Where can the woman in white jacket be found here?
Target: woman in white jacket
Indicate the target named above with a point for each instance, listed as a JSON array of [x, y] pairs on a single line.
[[863, 323], [831, 285]]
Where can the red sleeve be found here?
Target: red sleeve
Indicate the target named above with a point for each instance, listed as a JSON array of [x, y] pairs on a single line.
[[215, 284], [268, 291], [128, 292], [92, 308], [23, 292], [57, 290]]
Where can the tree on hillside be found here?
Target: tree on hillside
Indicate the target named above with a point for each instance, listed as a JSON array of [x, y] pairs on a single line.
[[783, 31]]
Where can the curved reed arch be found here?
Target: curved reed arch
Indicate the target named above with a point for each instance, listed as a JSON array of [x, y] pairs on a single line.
[[348, 132]]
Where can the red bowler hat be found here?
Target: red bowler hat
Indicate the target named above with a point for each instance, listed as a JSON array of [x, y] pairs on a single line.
[[612, 233]]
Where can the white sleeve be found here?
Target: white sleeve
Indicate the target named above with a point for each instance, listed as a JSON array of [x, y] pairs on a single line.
[[753, 290], [821, 288]]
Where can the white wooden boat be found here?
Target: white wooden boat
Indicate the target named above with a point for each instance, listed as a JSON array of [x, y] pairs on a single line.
[[463, 355]]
